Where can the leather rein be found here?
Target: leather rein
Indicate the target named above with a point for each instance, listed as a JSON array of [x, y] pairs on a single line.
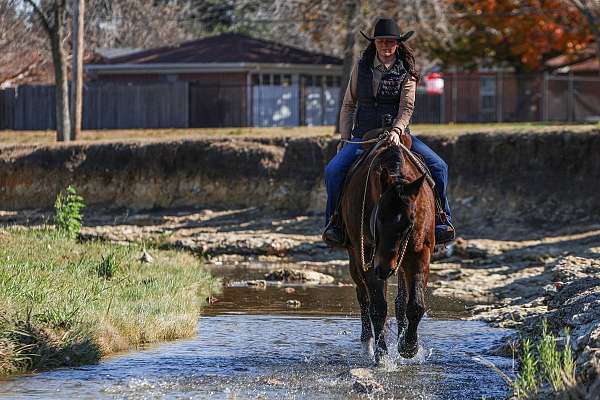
[[373, 226]]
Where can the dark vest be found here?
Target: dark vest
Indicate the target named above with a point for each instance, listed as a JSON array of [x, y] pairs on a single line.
[[371, 109]]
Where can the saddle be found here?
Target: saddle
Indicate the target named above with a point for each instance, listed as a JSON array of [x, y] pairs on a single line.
[[369, 149]]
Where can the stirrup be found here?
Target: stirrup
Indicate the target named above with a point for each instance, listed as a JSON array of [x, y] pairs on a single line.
[[333, 241]]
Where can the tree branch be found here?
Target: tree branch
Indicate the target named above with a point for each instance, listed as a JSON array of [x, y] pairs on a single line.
[[41, 16]]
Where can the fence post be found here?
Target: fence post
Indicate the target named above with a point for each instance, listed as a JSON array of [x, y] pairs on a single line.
[[499, 96], [454, 96], [443, 105], [571, 102], [322, 101], [545, 105]]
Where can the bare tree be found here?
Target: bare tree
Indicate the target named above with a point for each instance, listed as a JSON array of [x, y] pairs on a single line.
[[77, 67], [19, 43], [134, 23], [52, 16]]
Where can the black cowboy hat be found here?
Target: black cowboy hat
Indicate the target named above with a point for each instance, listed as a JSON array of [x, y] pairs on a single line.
[[386, 28]]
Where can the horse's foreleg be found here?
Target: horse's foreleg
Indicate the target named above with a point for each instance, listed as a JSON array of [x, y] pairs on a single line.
[[416, 281], [378, 313], [363, 300], [366, 334], [401, 303]]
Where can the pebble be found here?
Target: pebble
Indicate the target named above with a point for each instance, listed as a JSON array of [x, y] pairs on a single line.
[[293, 303]]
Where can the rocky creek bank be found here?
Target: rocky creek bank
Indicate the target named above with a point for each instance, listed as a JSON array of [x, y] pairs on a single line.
[[508, 283], [526, 202]]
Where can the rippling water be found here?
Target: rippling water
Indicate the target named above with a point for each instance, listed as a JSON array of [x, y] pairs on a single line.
[[251, 346]]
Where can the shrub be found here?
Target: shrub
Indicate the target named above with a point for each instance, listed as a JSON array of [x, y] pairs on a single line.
[[108, 267], [67, 212], [545, 369]]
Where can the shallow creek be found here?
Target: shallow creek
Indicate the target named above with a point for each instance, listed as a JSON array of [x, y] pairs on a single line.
[[252, 344]]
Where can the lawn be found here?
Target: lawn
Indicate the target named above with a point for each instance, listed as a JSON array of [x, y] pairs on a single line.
[[32, 137], [65, 303]]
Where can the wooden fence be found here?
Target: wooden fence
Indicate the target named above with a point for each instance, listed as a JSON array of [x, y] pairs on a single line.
[[187, 105], [104, 107]]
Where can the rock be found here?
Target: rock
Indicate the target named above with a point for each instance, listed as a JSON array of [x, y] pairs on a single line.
[[463, 249], [293, 303], [290, 290], [258, 283], [146, 258], [299, 275], [364, 381]]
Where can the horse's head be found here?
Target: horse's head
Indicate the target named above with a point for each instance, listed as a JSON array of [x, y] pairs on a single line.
[[394, 219]]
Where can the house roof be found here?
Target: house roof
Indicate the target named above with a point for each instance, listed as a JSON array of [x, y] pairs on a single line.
[[225, 48], [569, 63], [26, 69]]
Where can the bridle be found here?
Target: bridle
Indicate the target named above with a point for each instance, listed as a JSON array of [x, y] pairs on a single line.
[[373, 228], [405, 239]]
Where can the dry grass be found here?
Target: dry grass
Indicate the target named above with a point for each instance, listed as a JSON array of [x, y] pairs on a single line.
[[36, 137], [60, 309]]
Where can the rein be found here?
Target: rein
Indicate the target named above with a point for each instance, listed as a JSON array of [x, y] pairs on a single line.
[[365, 266]]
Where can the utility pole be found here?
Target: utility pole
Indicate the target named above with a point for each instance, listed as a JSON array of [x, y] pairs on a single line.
[[77, 68]]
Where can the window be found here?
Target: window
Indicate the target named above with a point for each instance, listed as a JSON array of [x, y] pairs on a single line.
[[255, 80], [287, 80], [318, 80], [266, 79], [329, 81], [487, 92]]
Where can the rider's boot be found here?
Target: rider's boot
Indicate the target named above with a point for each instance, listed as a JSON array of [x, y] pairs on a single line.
[[444, 233], [333, 234], [444, 230]]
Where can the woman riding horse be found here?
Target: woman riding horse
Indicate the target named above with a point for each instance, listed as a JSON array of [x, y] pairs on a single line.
[[383, 82]]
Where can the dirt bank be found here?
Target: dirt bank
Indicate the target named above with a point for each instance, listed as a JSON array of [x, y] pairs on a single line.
[[518, 177]]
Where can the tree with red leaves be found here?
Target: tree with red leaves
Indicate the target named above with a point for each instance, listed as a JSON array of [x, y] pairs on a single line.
[[520, 34]]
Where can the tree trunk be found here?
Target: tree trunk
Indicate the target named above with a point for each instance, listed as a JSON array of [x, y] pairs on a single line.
[[77, 68], [63, 125], [528, 98]]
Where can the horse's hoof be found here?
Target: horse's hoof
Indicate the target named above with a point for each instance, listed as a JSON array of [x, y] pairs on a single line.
[[380, 355], [408, 350], [367, 347]]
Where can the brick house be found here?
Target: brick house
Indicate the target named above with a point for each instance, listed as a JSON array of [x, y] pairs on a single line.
[[235, 80]]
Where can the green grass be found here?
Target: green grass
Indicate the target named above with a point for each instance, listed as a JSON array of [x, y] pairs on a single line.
[[64, 303], [544, 367]]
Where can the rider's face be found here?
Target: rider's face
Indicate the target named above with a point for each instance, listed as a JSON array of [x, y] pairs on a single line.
[[386, 47]]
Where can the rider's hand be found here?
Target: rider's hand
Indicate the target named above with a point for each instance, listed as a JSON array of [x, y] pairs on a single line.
[[395, 135]]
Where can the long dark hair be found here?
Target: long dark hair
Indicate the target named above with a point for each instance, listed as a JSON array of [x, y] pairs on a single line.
[[404, 52]]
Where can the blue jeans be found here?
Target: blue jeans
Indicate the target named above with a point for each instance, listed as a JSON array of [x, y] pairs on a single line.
[[335, 173]]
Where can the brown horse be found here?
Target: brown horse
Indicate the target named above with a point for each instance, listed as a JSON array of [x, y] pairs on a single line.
[[402, 241]]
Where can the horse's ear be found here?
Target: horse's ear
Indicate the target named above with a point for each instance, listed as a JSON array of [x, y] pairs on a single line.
[[412, 189]]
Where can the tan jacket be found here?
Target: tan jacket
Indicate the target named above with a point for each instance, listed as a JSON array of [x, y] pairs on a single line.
[[348, 110]]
